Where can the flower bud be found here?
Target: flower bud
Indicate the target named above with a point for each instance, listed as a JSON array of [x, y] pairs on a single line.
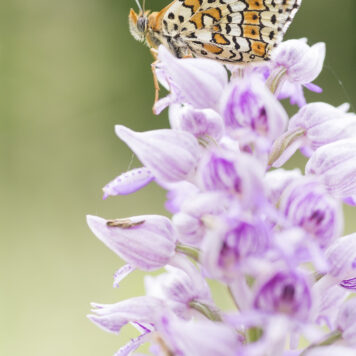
[[128, 182], [341, 256], [296, 65], [170, 155], [302, 62], [146, 242], [198, 82], [335, 163], [315, 125]]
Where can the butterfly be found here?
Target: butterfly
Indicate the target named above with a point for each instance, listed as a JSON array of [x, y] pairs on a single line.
[[231, 31]]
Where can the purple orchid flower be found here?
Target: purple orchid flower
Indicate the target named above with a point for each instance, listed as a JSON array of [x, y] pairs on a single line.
[[286, 293], [314, 126], [296, 65], [248, 103], [307, 204], [199, 122], [269, 237], [335, 164]]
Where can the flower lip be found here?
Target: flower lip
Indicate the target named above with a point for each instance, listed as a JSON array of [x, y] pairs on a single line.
[[286, 293]]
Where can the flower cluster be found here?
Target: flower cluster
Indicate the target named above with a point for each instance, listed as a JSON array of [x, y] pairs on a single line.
[[272, 237]]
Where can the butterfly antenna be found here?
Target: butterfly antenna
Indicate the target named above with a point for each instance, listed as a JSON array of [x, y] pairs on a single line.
[[139, 5], [144, 6]]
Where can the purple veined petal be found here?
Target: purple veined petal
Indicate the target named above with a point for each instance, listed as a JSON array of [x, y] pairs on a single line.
[[323, 124], [231, 172], [335, 163], [145, 242], [198, 82], [331, 131], [121, 274], [341, 256], [128, 182], [199, 337], [302, 62], [179, 288], [231, 242], [112, 317], [199, 122], [306, 204], [183, 263], [349, 284], [309, 68], [313, 87], [163, 103], [287, 293], [328, 297], [189, 222], [170, 155], [133, 345], [346, 321], [315, 125], [299, 64], [248, 103], [293, 91]]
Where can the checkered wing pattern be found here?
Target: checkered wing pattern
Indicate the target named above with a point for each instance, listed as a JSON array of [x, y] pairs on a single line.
[[229, 30]]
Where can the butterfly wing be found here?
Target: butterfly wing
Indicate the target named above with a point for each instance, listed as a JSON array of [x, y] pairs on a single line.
[[230, 30]]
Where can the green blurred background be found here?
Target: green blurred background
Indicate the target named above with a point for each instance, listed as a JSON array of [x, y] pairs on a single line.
[[70, 71]]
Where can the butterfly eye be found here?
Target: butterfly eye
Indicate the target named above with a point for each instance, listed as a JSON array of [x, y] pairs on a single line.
[[142, 24]]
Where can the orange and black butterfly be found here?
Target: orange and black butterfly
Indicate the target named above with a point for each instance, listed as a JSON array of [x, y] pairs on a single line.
[[234, 31]]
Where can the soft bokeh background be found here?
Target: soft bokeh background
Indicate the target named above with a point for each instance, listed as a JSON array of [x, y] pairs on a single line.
[[70, 71]]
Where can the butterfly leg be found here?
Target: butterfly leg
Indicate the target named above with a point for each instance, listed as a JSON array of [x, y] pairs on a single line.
[[155, 80], [154, 53]]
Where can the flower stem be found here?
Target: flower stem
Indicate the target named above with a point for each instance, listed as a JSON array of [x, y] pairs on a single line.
[[205, 310], [188, 251], [275, 79]]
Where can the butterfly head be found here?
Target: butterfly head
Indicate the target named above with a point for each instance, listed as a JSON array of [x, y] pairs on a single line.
[[138, 24]]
